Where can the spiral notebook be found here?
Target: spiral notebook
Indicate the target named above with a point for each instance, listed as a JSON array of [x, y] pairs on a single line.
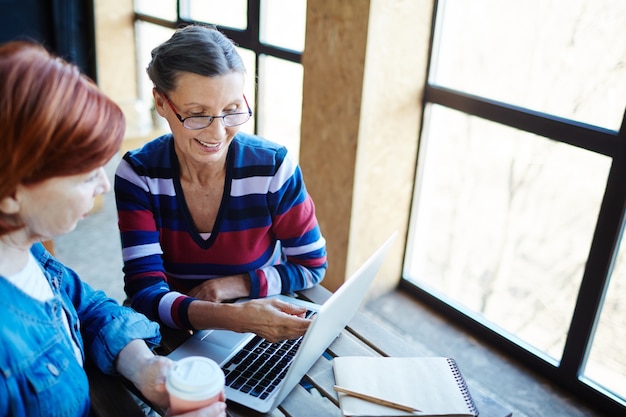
[[432, 385]]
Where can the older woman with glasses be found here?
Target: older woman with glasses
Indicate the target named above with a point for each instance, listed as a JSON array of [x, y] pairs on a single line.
[[58, 132], [209, 214]]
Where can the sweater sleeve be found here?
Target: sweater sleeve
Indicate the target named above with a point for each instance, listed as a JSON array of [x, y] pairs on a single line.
[[295, 225], [136, 195]]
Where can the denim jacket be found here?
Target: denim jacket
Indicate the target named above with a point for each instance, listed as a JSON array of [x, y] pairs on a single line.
[[40, 375]]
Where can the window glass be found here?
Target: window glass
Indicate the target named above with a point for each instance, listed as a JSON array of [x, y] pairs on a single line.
[[606, 364], [560, 57], [229, 13], [147, 37], [280, 101], [164, 9], [502, 223], [283, 23], [248, 56]]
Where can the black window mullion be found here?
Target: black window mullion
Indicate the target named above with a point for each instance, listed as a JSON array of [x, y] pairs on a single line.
[[155, 20], [604, 247], [254, 23], [254, 32], [604, 250], [592, 138]]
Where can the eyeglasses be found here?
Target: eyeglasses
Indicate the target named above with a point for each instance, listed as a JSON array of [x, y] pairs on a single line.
[[202, 122]]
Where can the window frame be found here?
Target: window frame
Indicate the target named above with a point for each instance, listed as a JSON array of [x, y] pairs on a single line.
[[568, 373], [248, 38]]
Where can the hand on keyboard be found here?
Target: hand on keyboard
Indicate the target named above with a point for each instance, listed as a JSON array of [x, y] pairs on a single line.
[[260, 366], [273, 319]]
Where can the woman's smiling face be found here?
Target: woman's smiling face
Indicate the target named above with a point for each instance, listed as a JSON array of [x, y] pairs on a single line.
[[197, 95]]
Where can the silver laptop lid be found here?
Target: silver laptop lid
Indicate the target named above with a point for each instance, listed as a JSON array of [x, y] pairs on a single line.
[[332, 317]]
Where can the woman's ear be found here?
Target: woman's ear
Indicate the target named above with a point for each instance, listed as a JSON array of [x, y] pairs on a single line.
[[9, 205], [159, 102]]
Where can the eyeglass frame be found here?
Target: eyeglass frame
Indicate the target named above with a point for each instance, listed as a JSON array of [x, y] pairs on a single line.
[[211, 118]]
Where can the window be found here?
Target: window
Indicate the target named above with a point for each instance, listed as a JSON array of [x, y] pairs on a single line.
[[270, 38], [519, 197], [504, 221]]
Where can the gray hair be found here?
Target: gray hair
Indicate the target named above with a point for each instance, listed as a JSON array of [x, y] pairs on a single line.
[[201, 50]]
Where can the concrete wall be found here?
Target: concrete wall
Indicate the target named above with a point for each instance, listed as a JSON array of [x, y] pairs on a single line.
[[364, 70]]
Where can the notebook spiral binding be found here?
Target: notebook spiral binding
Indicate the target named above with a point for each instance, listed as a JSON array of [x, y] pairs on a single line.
[[463, 386]]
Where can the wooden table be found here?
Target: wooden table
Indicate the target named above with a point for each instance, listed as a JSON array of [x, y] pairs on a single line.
[[361, 337]]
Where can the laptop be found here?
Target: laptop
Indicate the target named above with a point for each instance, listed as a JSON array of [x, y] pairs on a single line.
[[242, 356]]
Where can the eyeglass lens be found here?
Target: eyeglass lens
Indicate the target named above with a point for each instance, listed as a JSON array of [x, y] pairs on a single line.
[[229, 120]]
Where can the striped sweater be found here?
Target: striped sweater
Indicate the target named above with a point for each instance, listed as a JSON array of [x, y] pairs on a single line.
[[266, 227]]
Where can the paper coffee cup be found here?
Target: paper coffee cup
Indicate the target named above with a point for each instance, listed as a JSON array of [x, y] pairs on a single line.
[[194, 382]]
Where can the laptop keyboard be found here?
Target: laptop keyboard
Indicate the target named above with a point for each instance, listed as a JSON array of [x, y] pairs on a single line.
[[258, 368]]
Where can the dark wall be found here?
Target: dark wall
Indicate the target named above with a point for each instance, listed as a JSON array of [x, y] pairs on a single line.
[[65, 27]]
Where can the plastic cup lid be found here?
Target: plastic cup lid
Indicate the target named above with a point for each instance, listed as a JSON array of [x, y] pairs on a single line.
[[195, 378]]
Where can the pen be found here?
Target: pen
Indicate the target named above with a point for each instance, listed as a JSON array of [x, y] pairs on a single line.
[[375, 400]]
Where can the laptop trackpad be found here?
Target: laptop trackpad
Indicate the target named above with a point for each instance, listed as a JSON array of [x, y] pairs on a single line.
[[225, 338], [218, 345]]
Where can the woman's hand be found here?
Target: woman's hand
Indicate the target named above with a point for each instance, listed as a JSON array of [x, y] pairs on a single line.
[[273, 319], [146, 371], [270, 318], [222, 289]]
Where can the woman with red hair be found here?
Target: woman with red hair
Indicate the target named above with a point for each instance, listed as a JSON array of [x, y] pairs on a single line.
[[58, 132]]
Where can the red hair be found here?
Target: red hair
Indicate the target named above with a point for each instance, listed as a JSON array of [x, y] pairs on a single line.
[[54, 121]]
